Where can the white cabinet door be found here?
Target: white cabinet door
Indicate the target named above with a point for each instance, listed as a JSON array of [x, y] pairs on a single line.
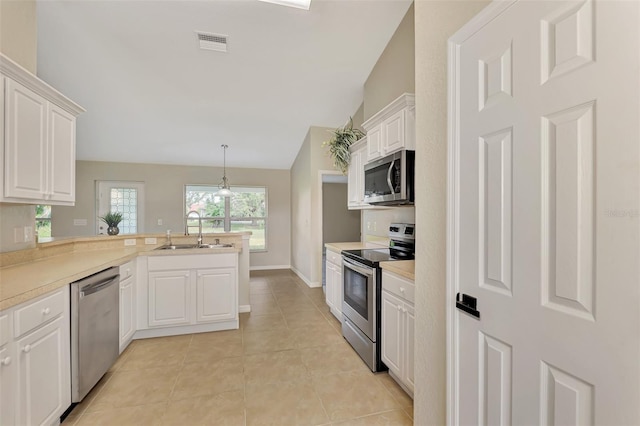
[[62, 155], [409, 335], [330, 287], [7, 386], [127, 312], [355, 177], [375, 147], [25, 156], [44, 389], [169, 298], [216, 295], [391, 351], [394, 137], [339, 291]]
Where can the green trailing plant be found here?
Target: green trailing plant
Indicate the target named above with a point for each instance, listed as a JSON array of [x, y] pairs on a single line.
[[112, 219], [339, 145]]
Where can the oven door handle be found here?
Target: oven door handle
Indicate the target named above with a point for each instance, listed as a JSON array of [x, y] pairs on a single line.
[[389, 176], [358, 267]]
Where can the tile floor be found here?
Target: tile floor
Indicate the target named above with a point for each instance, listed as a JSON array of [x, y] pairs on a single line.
[[287, 365]]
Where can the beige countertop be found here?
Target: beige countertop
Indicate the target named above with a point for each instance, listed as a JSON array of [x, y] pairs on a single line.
[[404, 268], [351, 246], [24, 281]]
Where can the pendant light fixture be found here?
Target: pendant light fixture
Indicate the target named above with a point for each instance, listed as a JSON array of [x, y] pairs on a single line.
[[225, 190]]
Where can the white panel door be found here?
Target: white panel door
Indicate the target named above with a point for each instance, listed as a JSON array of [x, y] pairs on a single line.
[[409, 336], [25, 147], [374, 144], [392, 330], [544, 226], [169, 298], [7, 385], [394, 133], [127, 312], [62, 154], [216, 295]]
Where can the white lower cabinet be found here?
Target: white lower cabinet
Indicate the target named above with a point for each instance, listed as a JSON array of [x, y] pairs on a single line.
[[35, 362], [333, 288], [127, 303], [398, 322], [187, 291]]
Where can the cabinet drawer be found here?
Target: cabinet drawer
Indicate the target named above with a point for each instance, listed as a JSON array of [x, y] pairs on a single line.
[[5, 332], [333, 257], [195, 261], [39, 312], [399, 286], [127, 270]]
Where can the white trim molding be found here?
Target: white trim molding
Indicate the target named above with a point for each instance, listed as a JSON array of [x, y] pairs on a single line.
[[244, 308], [306, 280], [488, 14], [269, 267]]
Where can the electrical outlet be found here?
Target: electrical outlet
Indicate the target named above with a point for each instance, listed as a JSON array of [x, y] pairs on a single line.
[[79, 222], [150, 241], [159, 222], [130, 242], [28, 234]]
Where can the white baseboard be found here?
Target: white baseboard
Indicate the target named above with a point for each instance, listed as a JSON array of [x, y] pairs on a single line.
[[244, 308], [306, 280], [269, 267]]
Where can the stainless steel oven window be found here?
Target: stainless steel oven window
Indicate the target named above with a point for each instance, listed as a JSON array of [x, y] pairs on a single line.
[[356, 292]]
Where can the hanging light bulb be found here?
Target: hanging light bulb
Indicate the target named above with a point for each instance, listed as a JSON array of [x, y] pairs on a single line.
[[225, 190]]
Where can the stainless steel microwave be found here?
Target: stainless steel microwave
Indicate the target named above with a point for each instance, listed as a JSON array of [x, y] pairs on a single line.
[[389, 180]]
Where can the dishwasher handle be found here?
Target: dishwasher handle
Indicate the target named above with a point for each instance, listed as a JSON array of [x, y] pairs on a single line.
[[96, 287]]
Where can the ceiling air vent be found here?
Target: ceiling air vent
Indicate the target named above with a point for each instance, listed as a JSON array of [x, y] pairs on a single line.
[[209, 41]]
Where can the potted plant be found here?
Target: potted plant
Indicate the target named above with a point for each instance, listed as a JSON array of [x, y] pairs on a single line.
[[339, 145], [112, 219]]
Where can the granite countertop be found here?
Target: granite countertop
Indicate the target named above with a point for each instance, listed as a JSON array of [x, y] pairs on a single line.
[[22, 282], [404, 268]]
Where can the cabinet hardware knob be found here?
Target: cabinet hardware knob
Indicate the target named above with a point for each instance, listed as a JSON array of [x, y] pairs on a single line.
[[401, 289], [26, 349], [6, 361], [46, 311]]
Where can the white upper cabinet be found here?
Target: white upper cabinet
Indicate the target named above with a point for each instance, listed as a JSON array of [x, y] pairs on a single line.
[[38, 134], [391, 129], [355, 175]]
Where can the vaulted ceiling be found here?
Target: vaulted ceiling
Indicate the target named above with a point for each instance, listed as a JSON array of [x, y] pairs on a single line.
[[152, 96]]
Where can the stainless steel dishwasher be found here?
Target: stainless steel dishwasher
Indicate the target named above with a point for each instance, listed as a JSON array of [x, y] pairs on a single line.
[[95, 321]]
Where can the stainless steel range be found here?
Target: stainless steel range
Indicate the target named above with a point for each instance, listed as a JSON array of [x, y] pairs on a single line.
[[362, 291]]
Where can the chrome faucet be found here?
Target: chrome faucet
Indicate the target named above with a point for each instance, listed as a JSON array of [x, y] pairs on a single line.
[[199, 225]]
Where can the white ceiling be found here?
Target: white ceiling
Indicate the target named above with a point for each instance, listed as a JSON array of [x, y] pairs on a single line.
[[153, 97]]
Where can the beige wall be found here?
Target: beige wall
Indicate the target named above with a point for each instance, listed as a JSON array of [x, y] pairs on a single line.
[[375, 223], [18, 37], [306, 205], [164, 199], [339, 224], [394, 73], [435, 22], [18, 32]]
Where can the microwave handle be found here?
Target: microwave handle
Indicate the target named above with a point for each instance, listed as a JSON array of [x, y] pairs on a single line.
[[389, 176]]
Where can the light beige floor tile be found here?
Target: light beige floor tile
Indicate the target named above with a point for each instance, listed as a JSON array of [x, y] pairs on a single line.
[[136, 387], [120, 361], [287, 403], [206, 351], [409, 412], [71, 419], [263, 322], [216, 337], [274, 367], [304, 319], [389, 418], [182, 340], [352, 394], [81, 407], [333, 321], [264, 308], [153, 356], [261, 298], [222, 409], [268, 341], [149, 414], [209, 378], [396, 391], [316, 336], [330, 359]]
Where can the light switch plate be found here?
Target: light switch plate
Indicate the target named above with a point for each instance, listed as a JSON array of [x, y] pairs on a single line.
[[28, 234], [79, 222], [130, 242]]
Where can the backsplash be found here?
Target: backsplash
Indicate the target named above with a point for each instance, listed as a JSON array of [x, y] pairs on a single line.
[[375, 223], [18, 216]]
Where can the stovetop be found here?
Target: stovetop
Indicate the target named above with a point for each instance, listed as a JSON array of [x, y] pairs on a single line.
[[373, 257]]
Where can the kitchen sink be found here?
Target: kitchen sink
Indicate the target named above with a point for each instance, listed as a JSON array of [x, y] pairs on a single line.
[[192, 246]]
